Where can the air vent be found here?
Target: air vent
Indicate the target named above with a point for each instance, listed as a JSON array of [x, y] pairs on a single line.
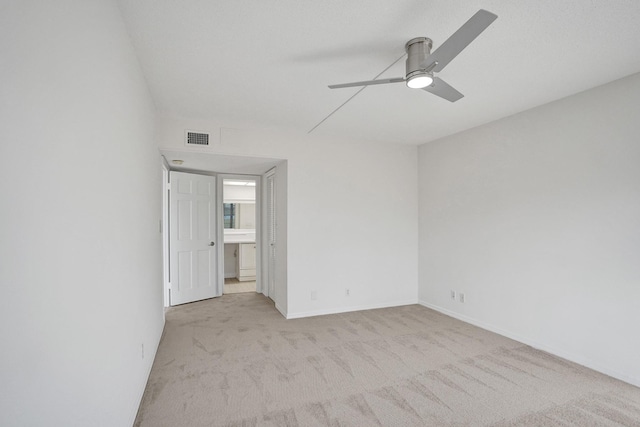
[[197, 138]]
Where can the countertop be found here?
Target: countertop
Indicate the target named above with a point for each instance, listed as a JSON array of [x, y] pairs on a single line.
[[239, 236]]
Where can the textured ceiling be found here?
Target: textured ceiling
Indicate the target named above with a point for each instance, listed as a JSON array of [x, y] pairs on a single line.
[[267, 64]]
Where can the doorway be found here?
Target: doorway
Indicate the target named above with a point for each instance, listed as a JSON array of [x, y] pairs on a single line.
[[240, 221], [270, 206]]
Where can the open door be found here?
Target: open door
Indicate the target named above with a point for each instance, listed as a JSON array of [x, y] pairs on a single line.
[[271, 235], [192, 237]]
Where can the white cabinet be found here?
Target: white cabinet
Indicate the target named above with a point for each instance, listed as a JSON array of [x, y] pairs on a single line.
[[230, 260], [246, 261]]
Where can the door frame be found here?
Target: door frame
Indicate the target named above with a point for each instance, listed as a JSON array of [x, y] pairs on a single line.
[[164, 229], [260, 285]]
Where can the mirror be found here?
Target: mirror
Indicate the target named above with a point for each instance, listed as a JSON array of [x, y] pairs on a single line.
[[239, 215], [239, 204]]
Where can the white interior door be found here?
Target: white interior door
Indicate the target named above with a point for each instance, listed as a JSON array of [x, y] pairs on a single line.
[[271, 235], [193, 255]]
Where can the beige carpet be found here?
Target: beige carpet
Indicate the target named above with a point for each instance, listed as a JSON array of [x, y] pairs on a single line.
[[235, 361]]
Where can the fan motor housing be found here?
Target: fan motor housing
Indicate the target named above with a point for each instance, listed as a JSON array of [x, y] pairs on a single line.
[[418, 49]]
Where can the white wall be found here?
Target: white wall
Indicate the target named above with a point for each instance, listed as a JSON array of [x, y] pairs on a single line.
[[536, 218], [351, 214], [237, 193], [80, 247]]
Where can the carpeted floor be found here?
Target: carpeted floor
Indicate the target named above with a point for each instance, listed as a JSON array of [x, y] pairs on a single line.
[[235, 361]]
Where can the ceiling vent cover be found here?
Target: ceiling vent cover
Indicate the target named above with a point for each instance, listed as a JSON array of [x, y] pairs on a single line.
[[197, 138]]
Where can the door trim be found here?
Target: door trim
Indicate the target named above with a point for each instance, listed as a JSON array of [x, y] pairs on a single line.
[[164, 229]]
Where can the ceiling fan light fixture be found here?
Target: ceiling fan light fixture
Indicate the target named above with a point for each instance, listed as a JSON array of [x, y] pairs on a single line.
[[419, 80]]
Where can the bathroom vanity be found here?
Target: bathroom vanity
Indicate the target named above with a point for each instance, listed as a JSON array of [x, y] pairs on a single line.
[[242, 244]]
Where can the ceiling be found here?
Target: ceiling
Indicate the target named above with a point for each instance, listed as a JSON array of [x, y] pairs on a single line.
[[267, 64]]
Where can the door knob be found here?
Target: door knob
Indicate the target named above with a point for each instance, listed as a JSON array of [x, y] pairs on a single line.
[[212, 244]]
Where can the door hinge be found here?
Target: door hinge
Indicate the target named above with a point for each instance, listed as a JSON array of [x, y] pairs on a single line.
[[168, 186]]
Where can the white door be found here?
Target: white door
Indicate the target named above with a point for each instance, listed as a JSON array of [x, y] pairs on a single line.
[[193, 255], [271, 235]]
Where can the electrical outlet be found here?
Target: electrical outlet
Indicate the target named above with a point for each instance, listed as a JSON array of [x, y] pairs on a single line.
[[461, 297], [453, 295], [314, 295], [347, 292]]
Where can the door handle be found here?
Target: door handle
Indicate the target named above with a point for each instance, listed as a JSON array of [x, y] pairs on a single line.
[[212, 244]]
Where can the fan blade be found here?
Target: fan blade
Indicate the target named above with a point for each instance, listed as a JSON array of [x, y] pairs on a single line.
[[368, 83], [442, 89], [459, 40]]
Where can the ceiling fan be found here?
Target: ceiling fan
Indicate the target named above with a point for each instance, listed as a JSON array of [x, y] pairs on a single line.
[[421, 64]]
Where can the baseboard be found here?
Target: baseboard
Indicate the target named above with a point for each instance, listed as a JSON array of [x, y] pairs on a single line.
[[148, 373], [283, 312], [537, 345], [348, 309]]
